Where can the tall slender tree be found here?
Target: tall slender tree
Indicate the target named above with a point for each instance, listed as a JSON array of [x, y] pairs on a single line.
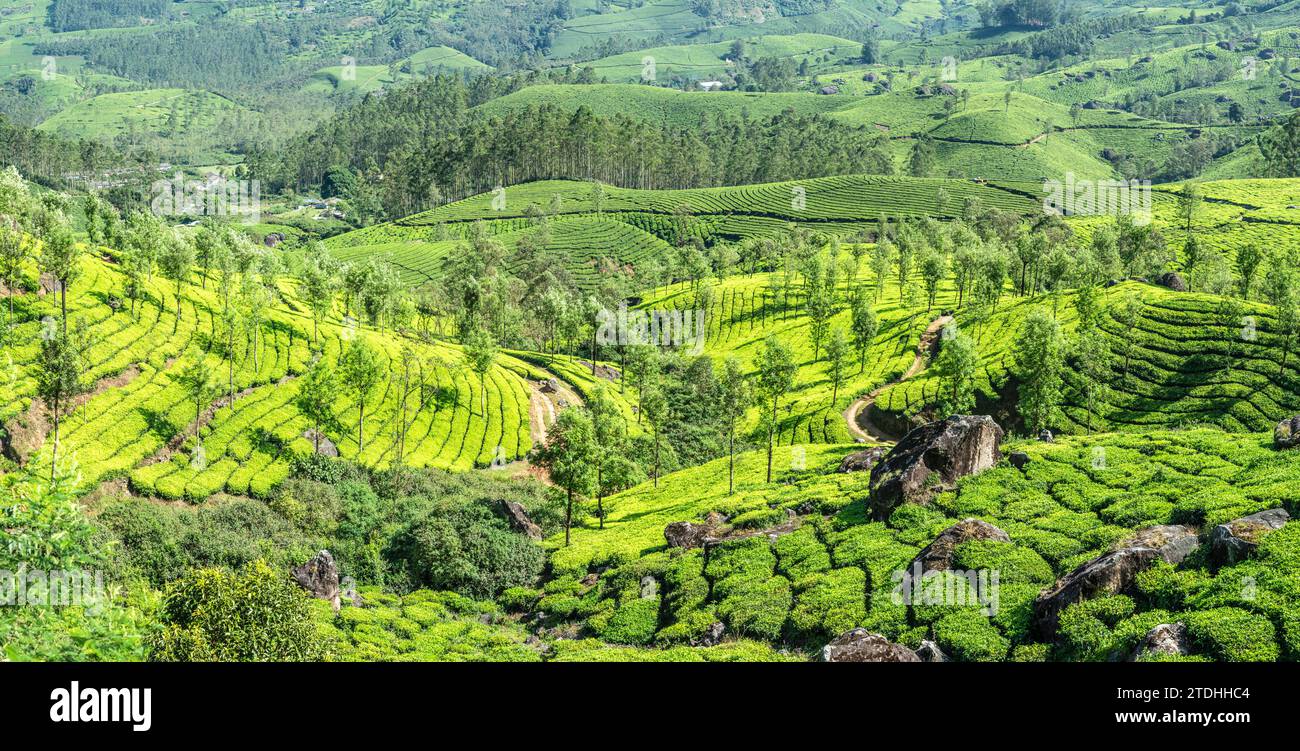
[[776, 371]]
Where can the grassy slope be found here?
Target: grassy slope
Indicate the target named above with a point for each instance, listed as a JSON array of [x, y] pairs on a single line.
[[247, 446]]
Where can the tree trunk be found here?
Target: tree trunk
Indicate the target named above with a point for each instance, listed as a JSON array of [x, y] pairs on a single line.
[[568, 517], [656, 456], [361, 424], [54, 454], [731, 460]]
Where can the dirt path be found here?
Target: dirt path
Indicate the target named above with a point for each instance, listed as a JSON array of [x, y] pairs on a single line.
[[858, 414], [544, 405]]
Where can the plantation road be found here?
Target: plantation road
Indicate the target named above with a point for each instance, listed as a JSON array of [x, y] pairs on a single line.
[[858, 415]]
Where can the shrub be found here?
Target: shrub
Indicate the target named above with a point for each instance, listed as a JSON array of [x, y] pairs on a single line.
[[466, 548], [970, 637], [832, 604], [633, 623], [255, 614], [1015, 564], [1233, 634], [150, 536], [757, 607], [1085, 627]]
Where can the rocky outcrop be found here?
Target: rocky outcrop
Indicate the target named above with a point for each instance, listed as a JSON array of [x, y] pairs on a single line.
[[1165, 639], [930, 652], [1287, 433], [712, 635], [860, 645], [688, 535], [937, 556], [323, 445], [932, 458], [320, 577], [861, 461], [1172, 280], [519, 521], [1236, 540], [1111, 572]]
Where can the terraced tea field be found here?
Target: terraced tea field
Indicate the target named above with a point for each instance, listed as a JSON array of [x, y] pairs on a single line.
[[744, 311], [1193, 360], [579, 243], [823, 568], [133, 427]]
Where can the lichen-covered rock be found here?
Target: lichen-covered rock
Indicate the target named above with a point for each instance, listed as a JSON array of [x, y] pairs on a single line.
[[685, 535], [1166, 639], [323, 445], [1236, 540], [860, 645], [712, 635], [937, 556], [1172, 280], [1287, 433], [1111, 572], [519, 521], [932, 458], [320, 577], [861, 461], [930, 652]]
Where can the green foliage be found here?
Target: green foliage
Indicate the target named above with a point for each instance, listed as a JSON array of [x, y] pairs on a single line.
[[254, 615], [466, 548], [1233, 635]]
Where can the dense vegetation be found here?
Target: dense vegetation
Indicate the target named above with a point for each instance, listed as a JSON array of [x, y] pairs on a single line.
[[430, 353]]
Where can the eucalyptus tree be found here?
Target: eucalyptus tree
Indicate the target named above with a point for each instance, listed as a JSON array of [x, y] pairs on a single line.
[[569, 457], [1038, 366], [733, 396], [14, 254], [60, 255], [176, 263], [361, 371], [776, 372]]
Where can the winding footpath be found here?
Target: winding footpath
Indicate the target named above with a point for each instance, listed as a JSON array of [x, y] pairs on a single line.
[[858, 415]]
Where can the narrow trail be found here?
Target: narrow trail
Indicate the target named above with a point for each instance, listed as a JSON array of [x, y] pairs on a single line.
[[858, 414], [543, 408]]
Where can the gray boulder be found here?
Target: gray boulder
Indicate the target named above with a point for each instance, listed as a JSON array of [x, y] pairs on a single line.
[[1236, 540], [326, 447], [931, 459], [1287, 433], [937, 556], [930, 652], [320, 577], [860, 645], [861, 461], [688, 535], [1111, 573], [1165, 639], [712, 636], [1173, 280], [519, 521]]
